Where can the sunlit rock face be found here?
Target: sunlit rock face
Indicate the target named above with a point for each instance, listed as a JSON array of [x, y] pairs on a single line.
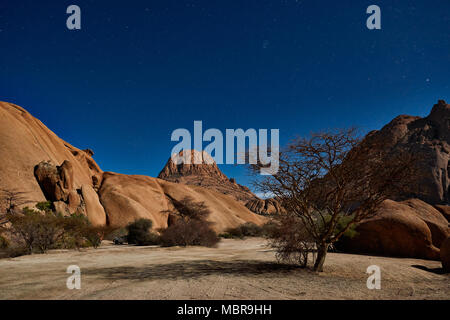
[[36, 162], [429, 139], [201, 170]]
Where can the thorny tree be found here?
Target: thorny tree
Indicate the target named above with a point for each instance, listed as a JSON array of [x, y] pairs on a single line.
[[331, 181], [188, 209]]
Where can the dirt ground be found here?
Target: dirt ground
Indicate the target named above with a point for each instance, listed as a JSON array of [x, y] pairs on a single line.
[[237, 269]]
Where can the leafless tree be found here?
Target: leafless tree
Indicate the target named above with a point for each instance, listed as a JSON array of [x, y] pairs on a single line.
[[331, 181], [188, 209], [10, 203]]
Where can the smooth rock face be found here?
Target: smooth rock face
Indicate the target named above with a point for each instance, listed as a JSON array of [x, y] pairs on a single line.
[[410, 228], [36, 161], [429, 139], [94, 209], [445, 210], [445, 255], [203, 171], [25, 142], [129, 197], [437, 224]]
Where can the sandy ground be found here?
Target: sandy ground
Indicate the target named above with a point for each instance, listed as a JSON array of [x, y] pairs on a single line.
[[237, 269]]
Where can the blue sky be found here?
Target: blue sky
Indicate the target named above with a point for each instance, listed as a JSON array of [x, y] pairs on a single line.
[[138, 70]]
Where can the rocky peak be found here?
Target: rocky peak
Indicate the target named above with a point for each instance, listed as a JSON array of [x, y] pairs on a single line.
[[439, 118], [203, 171], [201, 164], [429, 139], [440, 111]]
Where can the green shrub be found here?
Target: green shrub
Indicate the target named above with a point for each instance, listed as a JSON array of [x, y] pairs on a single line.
[[342, 243], [250, 229], [247, 229], [39, 231], [232, 233], [139, 233], [189, 233], [45, 206], [93, 236], [77, 233], [226, 235], [342, 223]]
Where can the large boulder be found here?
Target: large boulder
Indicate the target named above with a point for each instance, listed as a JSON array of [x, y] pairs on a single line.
[[429, 140], [25, 142], [55, 181], [437, 224], [445, 255], [130, 197], [410, 228], [94, 209], [36, 161], [445, 210]]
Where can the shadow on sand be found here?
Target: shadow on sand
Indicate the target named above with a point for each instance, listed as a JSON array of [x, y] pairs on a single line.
[[433, 270], [192, 269]]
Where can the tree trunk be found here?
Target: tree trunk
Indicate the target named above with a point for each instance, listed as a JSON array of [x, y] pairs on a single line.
[[321, 254]]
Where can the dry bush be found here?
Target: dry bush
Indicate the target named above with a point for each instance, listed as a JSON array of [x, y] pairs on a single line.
[[36, 231], [248, 229], [39, 231], [15, 250], [139, 233], [77, 233], [292, 241], [191, 227], [189, 233]]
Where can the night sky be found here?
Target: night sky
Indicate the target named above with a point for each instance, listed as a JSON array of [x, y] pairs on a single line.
[[137, 70]]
